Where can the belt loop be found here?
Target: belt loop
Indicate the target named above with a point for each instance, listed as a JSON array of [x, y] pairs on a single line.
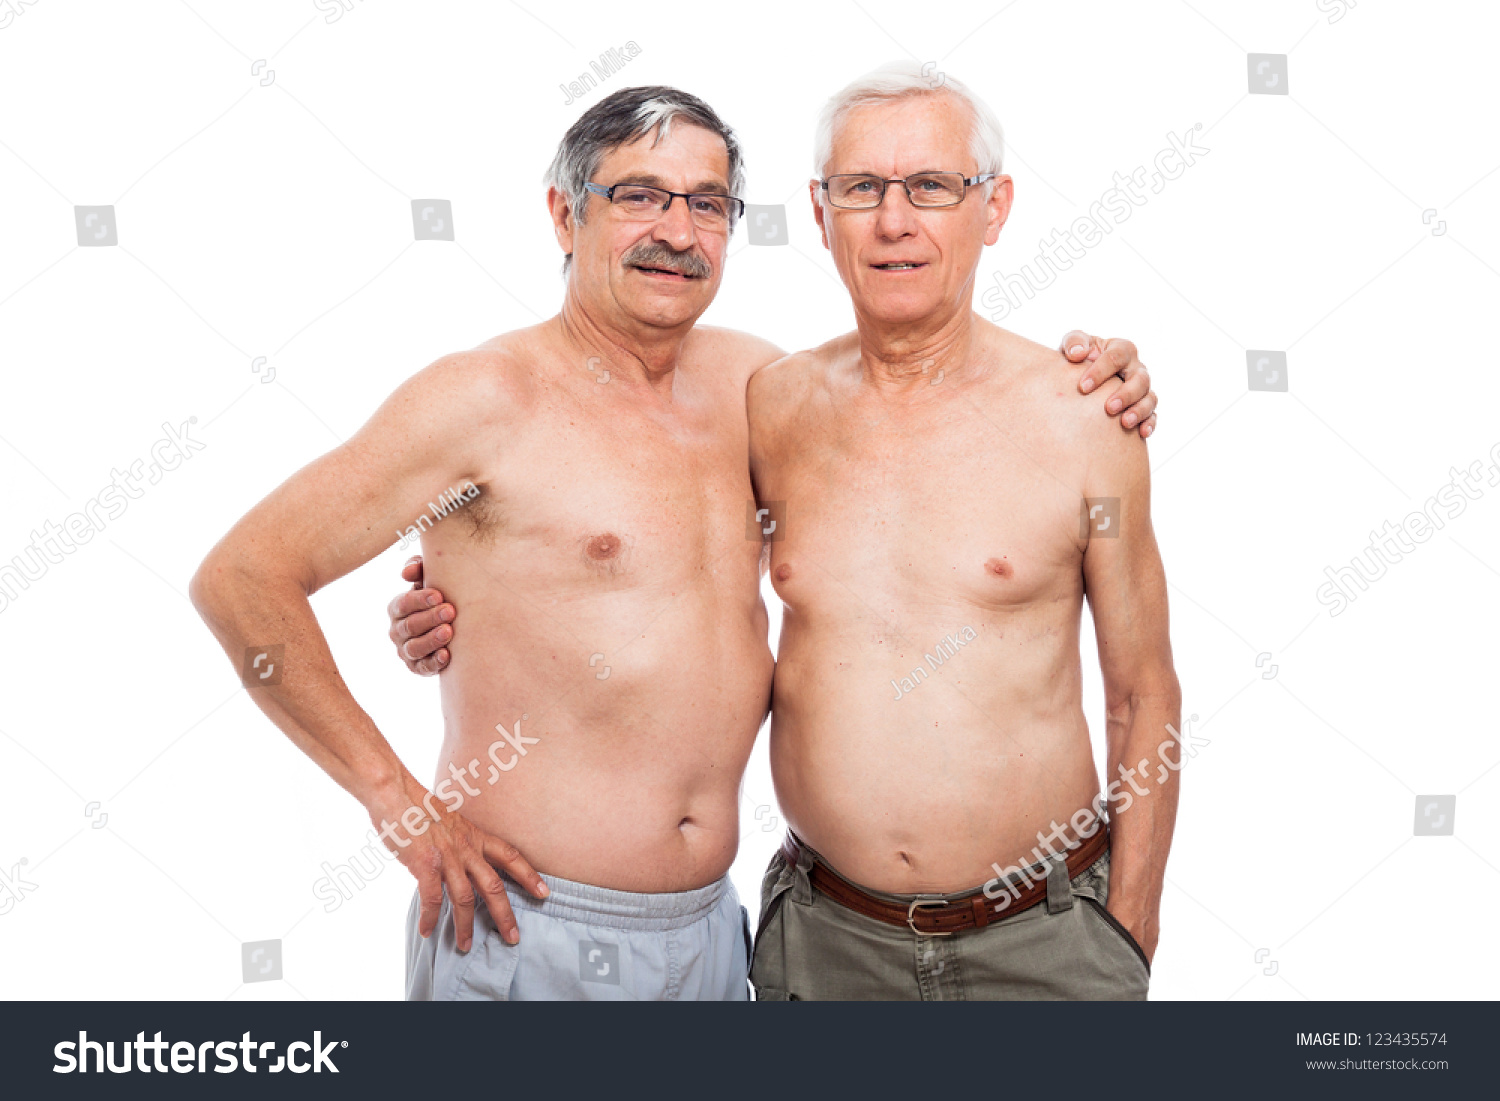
[[801, 884], [1059, 887]]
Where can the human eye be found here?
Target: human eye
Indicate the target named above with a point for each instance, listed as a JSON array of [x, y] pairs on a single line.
[[638, 196]]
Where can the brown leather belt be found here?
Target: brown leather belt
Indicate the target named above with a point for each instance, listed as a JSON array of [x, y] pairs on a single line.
[[938, 917]]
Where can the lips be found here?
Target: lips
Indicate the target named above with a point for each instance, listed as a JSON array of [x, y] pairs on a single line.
[[666, 272], [656, 261], [899, 265]]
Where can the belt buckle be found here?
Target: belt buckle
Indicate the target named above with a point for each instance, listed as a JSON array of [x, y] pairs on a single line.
[[911, 913]]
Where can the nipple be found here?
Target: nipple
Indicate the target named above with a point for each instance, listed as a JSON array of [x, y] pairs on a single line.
[[601, 548], [999, 567]]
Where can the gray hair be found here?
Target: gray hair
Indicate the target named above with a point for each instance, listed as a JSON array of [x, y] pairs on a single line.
[[620, 119], [902, 80]]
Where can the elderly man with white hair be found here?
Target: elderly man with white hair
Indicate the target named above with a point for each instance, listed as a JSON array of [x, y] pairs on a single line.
[[608, 571], [946, 510]]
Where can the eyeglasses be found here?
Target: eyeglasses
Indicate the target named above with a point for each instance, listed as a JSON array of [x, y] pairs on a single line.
[[853, 191], [640, 203]]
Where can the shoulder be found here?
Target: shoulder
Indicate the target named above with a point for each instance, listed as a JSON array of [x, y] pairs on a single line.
[[793, 389], [801, 373], [1036, 363], [1116, 456], [742, 354], [1048, 380], [478, 385]]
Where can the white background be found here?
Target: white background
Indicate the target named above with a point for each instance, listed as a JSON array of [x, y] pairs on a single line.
[[275, 220]]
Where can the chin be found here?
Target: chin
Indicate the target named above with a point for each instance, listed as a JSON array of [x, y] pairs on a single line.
[[666, 310], [900, 309]]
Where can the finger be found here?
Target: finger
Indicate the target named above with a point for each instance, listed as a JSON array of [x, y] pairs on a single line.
[[461, 896], [492, 888], [410, 603], [416, 649], [1104, 363], [412, 570], [1116, 358], [1149, 426], [505, 855], [423, 623], [1139, 411], [1075, 345], [432, 665], [1131, 392], [430, 895]]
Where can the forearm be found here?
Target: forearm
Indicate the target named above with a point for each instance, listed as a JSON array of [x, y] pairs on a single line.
[[1143, 757], [249, 604]]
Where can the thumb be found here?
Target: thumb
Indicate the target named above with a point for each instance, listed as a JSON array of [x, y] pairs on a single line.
[[412, 571], [1076, 344]]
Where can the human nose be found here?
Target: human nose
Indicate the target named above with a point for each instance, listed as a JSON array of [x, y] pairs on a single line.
[[896, 216], [675, 225]]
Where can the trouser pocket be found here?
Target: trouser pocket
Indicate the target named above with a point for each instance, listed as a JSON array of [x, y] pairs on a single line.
[[774, 886], [768, 957], [1123, 933]]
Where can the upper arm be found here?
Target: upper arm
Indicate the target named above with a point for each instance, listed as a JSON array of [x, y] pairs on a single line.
[[343, 509], [1123, 575], [772, 398]]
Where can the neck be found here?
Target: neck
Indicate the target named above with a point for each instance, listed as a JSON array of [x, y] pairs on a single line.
[[906, 356], [629, 351]]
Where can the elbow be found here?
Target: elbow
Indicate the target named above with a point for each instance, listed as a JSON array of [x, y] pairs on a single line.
[[223, 574], [206, 589], [1152, 690], [235, 580]]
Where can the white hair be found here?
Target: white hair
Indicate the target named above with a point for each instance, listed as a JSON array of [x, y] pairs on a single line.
[[901, 80]]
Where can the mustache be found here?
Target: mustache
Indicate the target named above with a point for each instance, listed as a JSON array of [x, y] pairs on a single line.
[[654, 254]]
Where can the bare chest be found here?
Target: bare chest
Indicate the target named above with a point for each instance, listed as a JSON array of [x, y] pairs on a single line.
[[961, 511], [605, 499]]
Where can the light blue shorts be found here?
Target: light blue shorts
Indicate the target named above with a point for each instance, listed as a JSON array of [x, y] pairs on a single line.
[[585, 943]]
